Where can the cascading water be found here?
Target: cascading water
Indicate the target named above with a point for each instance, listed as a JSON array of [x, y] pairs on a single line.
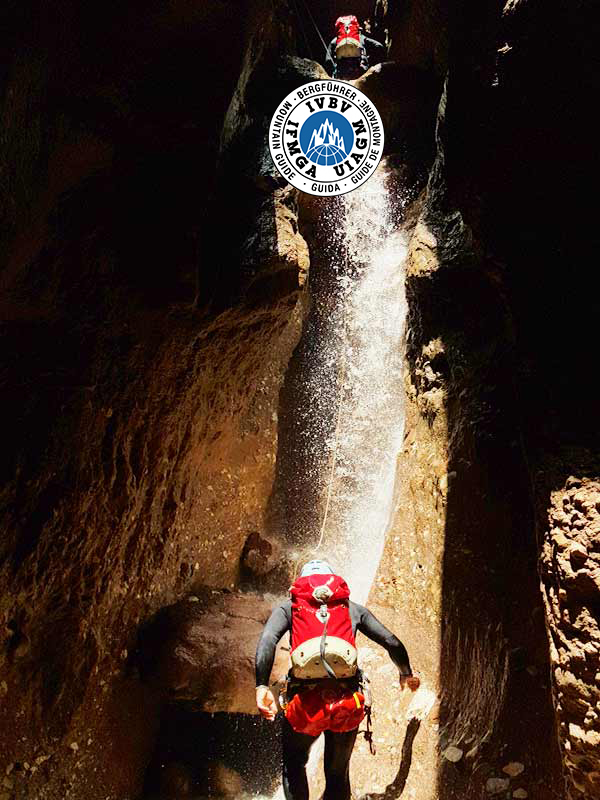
[[367, 338]]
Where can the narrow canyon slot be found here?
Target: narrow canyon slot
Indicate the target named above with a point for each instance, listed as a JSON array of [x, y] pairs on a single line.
[[211, 377]]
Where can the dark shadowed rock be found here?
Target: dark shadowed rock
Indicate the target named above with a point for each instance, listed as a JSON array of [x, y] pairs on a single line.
[[201, 651], [259, 555], [406, 98], [175, 781]]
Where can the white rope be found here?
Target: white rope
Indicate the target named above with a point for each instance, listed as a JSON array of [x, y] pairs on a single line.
[[337, 430], [316, 27], [332, 475]]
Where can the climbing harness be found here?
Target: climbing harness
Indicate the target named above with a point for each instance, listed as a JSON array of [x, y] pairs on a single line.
[[329, 706], [365, 686]]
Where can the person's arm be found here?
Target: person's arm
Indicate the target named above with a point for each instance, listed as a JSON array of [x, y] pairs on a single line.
[[278, 623], [376, 51], [378, 633], [375, 45]]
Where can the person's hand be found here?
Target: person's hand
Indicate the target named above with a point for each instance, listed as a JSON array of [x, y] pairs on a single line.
[[265, 702], [411, 681]]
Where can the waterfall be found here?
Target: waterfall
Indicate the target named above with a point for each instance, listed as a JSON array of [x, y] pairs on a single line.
[[366, 339]]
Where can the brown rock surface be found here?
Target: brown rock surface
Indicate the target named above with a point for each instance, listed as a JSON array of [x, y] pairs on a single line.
[[570, 567], [203, 651], [495, 423], [143, 395], [224, 781]]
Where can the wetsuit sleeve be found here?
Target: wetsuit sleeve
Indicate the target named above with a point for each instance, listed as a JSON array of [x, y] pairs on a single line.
[[376, 51], [278, 623], [378, 633]]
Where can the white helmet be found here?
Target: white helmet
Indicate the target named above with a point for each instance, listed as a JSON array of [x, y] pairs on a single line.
[[316, 567]]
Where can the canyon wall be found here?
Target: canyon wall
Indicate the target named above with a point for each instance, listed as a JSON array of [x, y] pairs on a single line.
[[142, 371], [501, 449]]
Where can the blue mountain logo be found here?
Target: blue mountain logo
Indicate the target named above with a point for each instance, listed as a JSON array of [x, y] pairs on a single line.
[[327, 138], [327, 135]]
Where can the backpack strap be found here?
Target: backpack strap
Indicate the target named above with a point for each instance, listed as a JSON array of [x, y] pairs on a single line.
[[324, 614]]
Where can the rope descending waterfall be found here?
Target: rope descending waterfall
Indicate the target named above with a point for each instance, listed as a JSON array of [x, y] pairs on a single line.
[[333, 465], [336, 436], [356, 383]]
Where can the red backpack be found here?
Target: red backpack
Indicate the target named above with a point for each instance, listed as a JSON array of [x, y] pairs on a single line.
[[322, 639], [348, 37]]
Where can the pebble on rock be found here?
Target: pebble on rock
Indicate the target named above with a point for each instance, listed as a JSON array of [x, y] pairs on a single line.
[[453, 754], [520, 793], [513, 769], [496, 785]]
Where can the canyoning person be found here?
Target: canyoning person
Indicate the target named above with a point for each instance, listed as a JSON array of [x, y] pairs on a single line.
[[325, 691], [350, 52]]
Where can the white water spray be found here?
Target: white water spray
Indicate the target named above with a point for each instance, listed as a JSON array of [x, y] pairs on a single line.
[[368, 343]]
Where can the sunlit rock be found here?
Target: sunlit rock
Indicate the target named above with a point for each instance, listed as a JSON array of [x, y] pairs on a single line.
[[513, 769], [453, 754], [496, 785]]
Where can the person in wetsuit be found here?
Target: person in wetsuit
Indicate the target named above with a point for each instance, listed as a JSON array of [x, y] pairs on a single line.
[[338, 746], [373, 52]]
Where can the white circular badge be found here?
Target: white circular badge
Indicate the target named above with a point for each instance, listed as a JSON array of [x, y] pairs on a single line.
[[326, 138]]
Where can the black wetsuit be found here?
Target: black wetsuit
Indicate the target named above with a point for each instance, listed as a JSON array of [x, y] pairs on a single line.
[[338, 746]]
